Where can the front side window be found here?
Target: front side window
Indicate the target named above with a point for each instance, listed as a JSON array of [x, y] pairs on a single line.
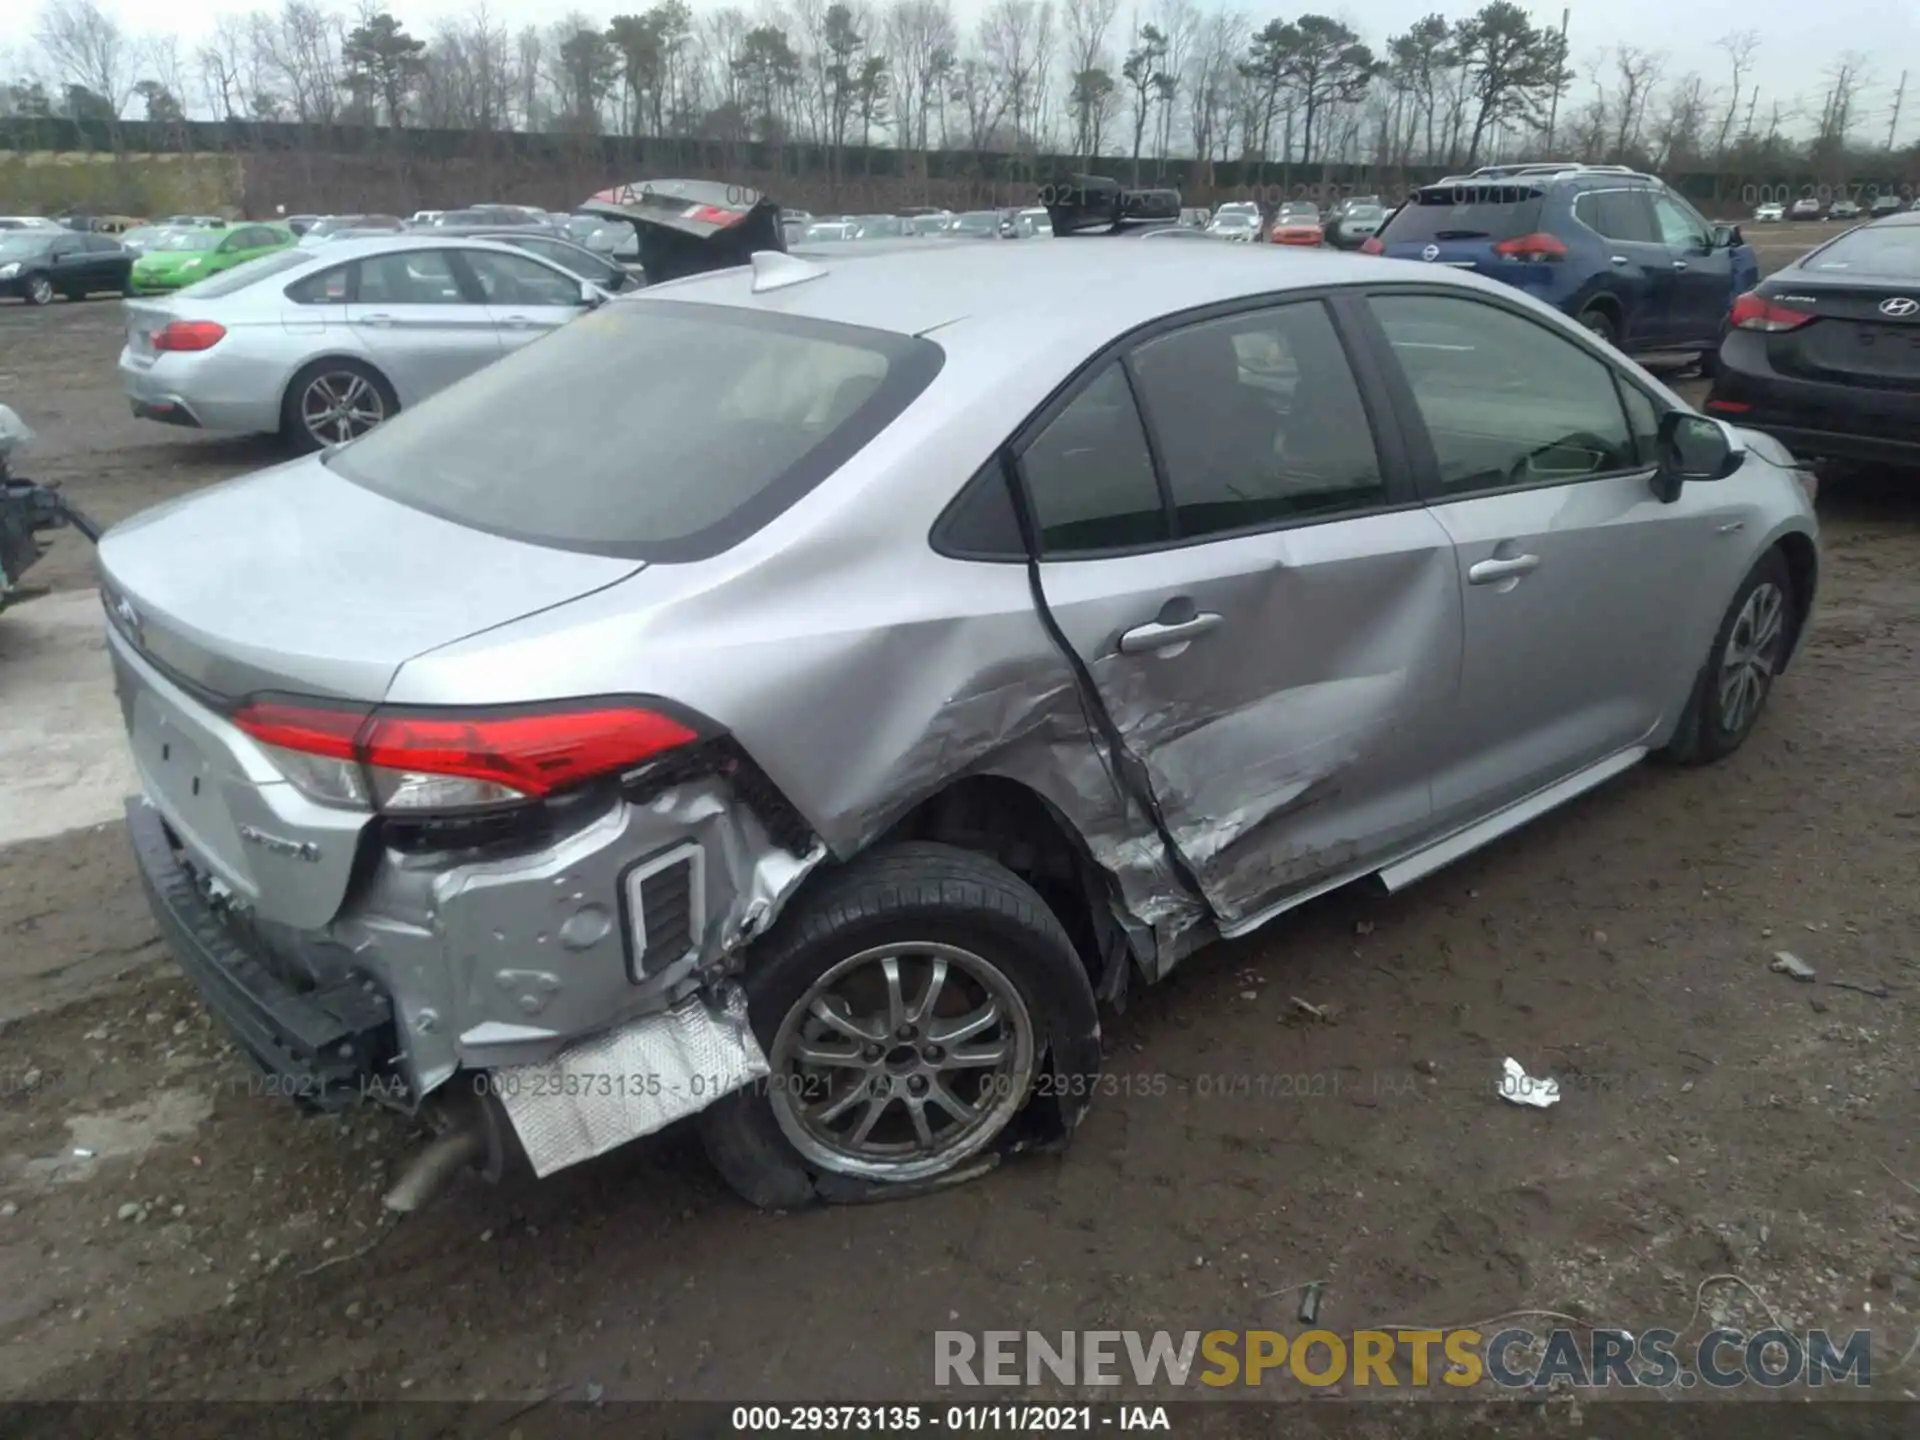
[[1259, 421], [1507, 403], [519, 280], [1091, 475], [1679, 226]]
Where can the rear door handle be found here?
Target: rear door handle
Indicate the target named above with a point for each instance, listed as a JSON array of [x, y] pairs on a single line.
[[1492, 572], [1618, 259], [517, 322], [380, 320], [1679, 264], [1155, 636]]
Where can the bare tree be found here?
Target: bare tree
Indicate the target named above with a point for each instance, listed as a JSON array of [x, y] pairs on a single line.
[[921, 42], [1740, 47], [1090, 70], [1636, 70], [87, 49], [221, 61]]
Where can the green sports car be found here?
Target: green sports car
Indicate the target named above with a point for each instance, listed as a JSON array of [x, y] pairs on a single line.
[[180, 257]]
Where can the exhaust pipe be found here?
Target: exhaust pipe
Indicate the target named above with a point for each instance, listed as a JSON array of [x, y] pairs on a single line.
[[476, 1135]]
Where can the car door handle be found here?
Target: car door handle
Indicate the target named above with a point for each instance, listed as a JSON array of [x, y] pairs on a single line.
[[1619, 259], [1491, 572], [381, 320], [1679, 264], [1155, 636]]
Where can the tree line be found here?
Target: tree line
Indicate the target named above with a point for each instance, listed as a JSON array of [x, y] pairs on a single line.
[[1029, 77]]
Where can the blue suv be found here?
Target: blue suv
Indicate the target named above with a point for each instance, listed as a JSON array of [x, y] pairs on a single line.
[[1615, 249]]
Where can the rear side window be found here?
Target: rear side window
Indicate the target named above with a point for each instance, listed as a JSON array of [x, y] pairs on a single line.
[[329, 287], [1619, 215], [1889, 251], [1091, 475], [654, 430], [1465, 212], [262, 267]]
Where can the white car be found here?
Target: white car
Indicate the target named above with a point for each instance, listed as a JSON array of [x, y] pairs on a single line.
[[1770, 212]]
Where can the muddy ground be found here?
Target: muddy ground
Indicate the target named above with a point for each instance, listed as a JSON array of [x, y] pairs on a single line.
[[168, 1231]]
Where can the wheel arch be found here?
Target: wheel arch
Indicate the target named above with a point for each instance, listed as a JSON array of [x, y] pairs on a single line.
[[1803, 568], [1017, 826]]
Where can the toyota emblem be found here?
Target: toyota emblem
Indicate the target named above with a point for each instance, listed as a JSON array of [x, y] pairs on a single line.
[[1432, 252], [1900, 307]]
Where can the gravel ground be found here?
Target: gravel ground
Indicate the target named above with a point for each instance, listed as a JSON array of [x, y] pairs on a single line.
[[1718, 1119]]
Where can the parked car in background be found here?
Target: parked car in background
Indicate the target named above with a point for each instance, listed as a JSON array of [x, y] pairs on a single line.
[[1354, 223], [1195, 217], [1771, 213], [326, 227], [1614, 249], [424, 217], [322, 345], [1238, 207], [973, 223], [826, 232], [1805, 208], [29, 222], [1031, 223], [1825, 352], [878, 227], [37, 264], [1843, 210], [460, 659], [300, 224], [188, 256], [196, 222], [1297, 223], [1235, 225], [489, 217], [144, 237], [1888, 204]]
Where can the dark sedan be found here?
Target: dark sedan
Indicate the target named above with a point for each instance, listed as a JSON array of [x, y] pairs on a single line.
[[1825, 354], [575, 259], [36, 265]]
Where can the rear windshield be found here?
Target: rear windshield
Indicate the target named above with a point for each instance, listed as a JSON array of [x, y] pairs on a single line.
[[1465, 212], [1892, 251], [649, 429]]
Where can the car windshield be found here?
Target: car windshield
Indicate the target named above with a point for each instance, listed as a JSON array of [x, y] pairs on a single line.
[[1888, 251], [707, 422], [1465, 212], [1365, 212], [1235, 221], [17, 243], [1299, 212], [189, 240]]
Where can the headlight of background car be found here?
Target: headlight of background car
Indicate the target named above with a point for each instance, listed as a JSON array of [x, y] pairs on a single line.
[[9, 270]]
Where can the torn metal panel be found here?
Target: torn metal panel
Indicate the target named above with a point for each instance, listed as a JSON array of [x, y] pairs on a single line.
[[631, 1081]]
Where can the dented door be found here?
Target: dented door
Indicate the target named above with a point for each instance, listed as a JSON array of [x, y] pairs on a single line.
[[1277, 636]]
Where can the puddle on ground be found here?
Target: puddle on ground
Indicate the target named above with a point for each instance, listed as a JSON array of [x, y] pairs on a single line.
[[119, 1134]]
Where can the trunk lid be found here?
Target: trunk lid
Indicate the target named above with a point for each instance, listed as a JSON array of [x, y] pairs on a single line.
[[1866, 332], [143, 318], [688, 227], [297, 580]]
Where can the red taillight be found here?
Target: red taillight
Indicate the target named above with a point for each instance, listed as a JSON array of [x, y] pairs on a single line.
[[1532, 247], [1372, 246], [1753, 311], [1732, 407], [713, 215], [189, 335], [420, 760]]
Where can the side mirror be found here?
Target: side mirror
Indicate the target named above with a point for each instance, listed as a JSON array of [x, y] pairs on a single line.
[[592, 297], [1726, 236], [1694, 447]]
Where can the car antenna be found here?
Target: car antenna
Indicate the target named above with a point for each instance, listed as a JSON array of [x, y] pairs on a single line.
[[775, 270]]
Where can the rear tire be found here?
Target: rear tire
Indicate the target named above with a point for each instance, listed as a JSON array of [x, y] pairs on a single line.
[[976, 1014], [1600, 323], [1734, 684], [329, 392]]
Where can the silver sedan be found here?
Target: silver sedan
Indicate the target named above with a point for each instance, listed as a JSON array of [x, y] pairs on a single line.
[[322, 345]]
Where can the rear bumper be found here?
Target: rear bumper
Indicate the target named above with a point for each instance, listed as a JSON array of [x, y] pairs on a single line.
[[327, 1047], [1812, 418], [203, 392]]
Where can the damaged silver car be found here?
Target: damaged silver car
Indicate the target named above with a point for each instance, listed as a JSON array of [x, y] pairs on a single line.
[[810, 702]]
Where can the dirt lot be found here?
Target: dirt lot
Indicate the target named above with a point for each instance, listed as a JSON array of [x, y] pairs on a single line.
[[166, 1231]]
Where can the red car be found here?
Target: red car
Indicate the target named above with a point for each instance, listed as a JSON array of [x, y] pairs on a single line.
[[1298, 223]]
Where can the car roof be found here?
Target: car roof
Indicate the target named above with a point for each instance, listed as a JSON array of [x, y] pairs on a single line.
[[1081, 285]]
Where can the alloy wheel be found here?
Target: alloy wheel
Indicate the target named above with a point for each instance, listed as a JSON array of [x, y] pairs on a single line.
[[901, 1062], [1751, 656], [40, 290], [338, 406]]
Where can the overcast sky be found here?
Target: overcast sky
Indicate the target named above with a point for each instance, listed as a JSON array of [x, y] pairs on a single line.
[[1799, 40]]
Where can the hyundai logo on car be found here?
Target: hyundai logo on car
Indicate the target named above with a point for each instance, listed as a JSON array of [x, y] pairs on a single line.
[[1899, 307]]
